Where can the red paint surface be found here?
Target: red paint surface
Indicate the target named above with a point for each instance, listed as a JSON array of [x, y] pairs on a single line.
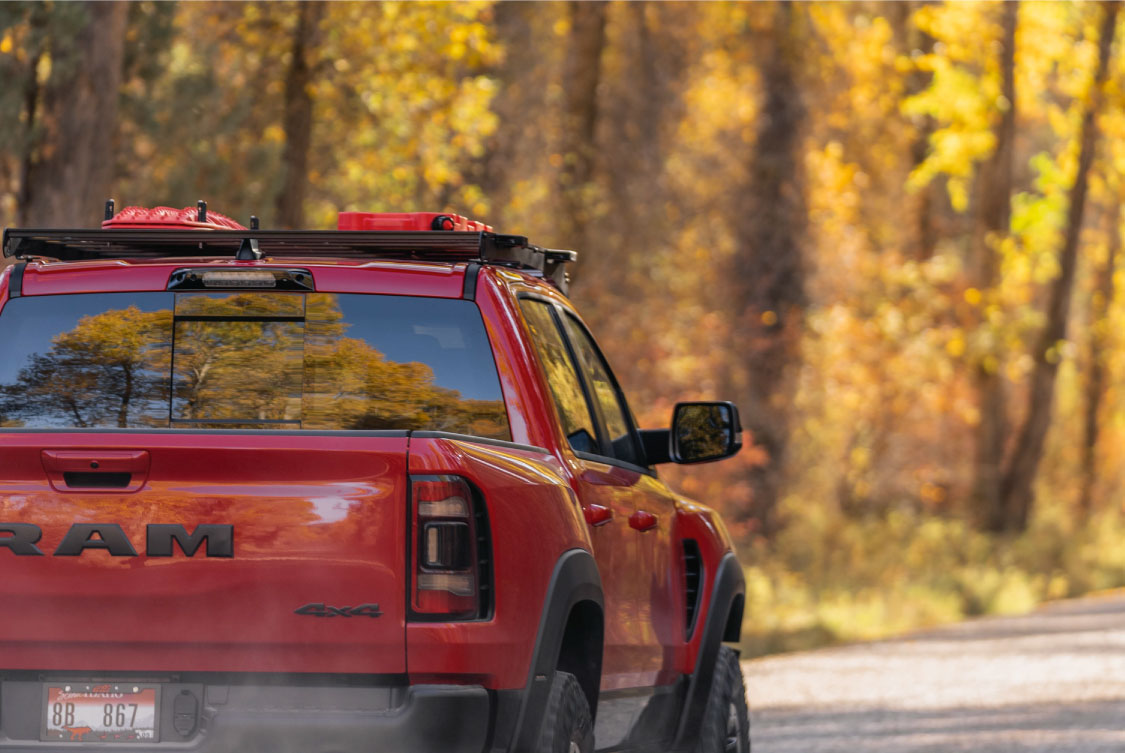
[[641, 571], [324, 519], [167, 217], [408, 221], [393, 278], [316, 519], [534, 518]]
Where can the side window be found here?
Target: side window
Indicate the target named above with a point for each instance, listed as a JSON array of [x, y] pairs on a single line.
[[561, 376], [604, 392]]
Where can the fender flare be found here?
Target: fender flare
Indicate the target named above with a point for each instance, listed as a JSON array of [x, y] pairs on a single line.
[[575, 579], [729, 584]]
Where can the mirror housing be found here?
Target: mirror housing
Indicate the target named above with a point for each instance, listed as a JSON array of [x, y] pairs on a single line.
[[701, 432]]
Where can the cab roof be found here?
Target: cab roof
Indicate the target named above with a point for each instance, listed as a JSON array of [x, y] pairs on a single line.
[[39, 276]]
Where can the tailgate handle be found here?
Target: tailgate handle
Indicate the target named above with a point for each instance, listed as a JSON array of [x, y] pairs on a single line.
[[92, 470], [80, 480]]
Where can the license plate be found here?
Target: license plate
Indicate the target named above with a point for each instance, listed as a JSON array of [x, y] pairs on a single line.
[[100, 712]]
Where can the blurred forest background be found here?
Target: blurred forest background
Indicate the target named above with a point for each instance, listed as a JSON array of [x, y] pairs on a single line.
[[890, 231]]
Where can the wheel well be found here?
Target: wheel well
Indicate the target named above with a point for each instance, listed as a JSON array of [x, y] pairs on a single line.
[[581, 650], [732, 632]]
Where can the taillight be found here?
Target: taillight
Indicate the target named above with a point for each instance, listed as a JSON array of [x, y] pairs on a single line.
[[449, 551]]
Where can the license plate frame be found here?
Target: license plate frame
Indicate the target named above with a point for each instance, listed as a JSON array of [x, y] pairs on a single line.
[[92, 698]]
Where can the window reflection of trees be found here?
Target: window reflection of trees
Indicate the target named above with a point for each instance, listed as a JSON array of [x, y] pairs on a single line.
[[562, 379], [111, 369], [228, 367], [116, 368]]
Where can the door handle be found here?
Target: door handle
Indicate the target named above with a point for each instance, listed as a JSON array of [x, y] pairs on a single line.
[[597, 515], [642, 521]]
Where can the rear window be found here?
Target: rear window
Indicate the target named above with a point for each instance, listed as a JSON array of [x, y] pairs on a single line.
[[248, 360]]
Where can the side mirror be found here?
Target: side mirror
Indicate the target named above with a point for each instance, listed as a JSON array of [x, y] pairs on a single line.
[[702, 432]]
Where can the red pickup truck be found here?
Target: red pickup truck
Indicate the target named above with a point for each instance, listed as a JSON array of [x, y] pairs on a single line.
[[372, 489]]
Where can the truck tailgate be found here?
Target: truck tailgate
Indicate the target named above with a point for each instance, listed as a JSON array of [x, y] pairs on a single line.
[[312, 580]]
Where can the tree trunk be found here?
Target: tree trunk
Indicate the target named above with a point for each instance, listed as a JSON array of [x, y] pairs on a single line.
[[70, 176], [582, 74], [768, 275], [634, 156], [1095, 384], [910, 40], [522, 81], [643, 103], [298, 118], [994, 192], [31, 96], [1017, 491], [922, 203]]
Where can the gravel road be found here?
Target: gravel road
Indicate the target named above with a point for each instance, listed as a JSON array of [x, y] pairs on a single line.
[[1049, 682]]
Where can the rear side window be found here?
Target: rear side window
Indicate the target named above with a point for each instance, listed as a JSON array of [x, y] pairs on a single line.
[[566, 389], [604, 392], [248, 360]]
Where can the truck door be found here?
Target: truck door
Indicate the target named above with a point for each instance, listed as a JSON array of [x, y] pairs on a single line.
[[633, 514], [652, 576]]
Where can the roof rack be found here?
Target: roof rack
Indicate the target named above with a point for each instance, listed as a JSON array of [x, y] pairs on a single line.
[[438, 245]]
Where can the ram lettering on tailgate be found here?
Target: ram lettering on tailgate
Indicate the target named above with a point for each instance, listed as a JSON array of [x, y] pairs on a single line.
[[216, 540]]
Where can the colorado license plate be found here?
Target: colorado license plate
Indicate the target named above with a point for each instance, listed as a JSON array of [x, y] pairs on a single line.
[[100, 712]]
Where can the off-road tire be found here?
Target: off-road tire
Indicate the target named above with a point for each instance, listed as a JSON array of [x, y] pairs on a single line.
[[726, 720], [567, 726]]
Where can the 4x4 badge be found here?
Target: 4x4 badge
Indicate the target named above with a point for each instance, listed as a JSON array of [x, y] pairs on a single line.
[[321, 610]]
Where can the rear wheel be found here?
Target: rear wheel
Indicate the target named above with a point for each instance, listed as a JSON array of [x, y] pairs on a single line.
[[567, 727], [726, 720]]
